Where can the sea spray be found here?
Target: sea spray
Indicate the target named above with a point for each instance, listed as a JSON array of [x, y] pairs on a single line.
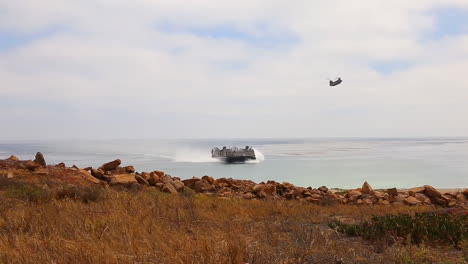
[[193, 156], [259, 157]]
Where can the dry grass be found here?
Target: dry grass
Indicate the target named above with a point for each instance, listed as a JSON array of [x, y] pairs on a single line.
[[147, 226]]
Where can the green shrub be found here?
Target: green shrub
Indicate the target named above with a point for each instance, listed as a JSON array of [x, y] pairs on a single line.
[[429, 228]]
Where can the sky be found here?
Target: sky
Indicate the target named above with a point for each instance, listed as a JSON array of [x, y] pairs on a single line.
[[240, 69]]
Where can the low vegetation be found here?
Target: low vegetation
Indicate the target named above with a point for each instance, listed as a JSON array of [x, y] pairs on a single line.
[[49, 222], [428, 228]]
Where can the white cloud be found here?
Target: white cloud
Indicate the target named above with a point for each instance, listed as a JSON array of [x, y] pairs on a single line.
[[108, 58]]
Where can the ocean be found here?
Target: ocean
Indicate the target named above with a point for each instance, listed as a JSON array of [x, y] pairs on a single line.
[[333, 162]]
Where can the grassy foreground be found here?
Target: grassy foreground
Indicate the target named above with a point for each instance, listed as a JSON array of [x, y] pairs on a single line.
[[47, 223]]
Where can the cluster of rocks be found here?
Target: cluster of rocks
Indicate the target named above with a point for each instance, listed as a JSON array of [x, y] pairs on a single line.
[[112, 173]]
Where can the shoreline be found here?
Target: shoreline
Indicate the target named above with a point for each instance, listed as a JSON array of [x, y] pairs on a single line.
[[112, 174]]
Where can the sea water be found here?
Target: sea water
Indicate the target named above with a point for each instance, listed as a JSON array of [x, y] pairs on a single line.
[[340, 163]]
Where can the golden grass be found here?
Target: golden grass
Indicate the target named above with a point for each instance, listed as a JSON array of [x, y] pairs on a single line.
[[148, 226]]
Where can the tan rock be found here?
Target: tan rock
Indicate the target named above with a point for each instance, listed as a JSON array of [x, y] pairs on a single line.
[[191, 182], [129, 169], [111, 165], [400, 198], [209, 179], [10, 175], [30, 165], [141, 180], [417, 190], [383, 202], [40, 159], [248, 196], [87, 176], [410, 200], [169, 188], [435, 196], [61, 165], [166, 179], [97, 173], [178, 185], [367, 189], [379, 195], [145, 175], [125, 179], [13, 158], [203, 186], [159, 173]]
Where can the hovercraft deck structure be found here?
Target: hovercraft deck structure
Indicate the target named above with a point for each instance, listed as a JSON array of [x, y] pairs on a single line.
[[233, 155]]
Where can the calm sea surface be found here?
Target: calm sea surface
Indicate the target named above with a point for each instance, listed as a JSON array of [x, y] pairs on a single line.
[[342, 163]]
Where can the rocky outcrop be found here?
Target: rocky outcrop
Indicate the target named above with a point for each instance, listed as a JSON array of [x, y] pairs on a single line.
[[112, 173], [13, 158], [39, 159], [111, 165]]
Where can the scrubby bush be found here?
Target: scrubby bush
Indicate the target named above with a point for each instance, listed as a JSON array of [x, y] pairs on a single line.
[[428, 228]]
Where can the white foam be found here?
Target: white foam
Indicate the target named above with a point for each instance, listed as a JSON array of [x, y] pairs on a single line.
[[259, 157], [193, 156]]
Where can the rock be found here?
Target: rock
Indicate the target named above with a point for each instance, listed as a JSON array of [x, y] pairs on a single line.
[[88, 168], [166, 179], [178, 185], [145, 175], [74, 167], [169, 188], [141, 180], [417, 190], [31, 165], [435, 196], [400, 198], [203, 186], [410, 200], [191, 182], [452, 203], [10, 175], [159, 173], [97, 173], [432, 192], [153, 179], [379, 195], [323, 189], [367, 189], [209, 179], [40, 159], [13, 158], [353, 195], [126, 179], [392, 192], [423, 198], [461, 197], [111, 165], [129, 169], [87, 176], [61, 165]]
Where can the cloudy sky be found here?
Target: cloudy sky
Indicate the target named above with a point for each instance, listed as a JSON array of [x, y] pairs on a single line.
[[253, 68]]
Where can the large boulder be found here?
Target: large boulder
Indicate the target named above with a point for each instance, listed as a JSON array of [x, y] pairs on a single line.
[[169, 188], [191, 182], [141, 180], [154, 179], [410, 200], [87, 176], [129, 169], [40, 159], [178, 185], [111, 165], [99, 173], [392, 192], [159, 173], [209, 179], [367, 189], [203, 186], [125, 179], [323, 189], [435, 196]]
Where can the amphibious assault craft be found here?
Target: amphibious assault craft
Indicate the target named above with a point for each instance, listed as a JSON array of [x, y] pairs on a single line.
[[233, 155]]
